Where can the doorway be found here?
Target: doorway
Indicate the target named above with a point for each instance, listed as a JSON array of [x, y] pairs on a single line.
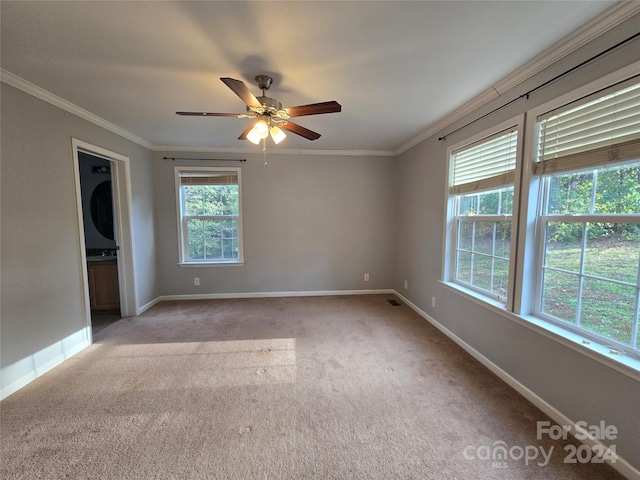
[[103, 195], [101, 239]]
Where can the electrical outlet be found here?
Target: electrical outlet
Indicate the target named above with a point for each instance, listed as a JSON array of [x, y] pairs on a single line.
[[406, 284], [433, 301], [196, 281], [366, 277]]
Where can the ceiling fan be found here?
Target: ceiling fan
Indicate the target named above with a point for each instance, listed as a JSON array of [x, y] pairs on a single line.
[[270, 117]]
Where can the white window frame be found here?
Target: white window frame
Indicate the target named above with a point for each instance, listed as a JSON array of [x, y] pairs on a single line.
[[451, 234], [183, 246], [531, 232], [542, 219], [580, 219], [525, 247]]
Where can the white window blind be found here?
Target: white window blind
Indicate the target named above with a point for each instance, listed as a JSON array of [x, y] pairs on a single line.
[[488, 163], [222, 178], [599, 129]]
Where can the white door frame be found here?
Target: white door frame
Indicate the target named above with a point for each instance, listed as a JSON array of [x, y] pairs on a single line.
[[121, 184]]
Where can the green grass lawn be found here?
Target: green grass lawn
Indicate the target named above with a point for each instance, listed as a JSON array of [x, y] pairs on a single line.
[[606, 307], [604, 303]]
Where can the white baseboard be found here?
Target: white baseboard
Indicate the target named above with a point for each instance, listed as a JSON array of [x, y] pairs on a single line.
[[28, 369], [620, 465], [147, 306], [313, 293]]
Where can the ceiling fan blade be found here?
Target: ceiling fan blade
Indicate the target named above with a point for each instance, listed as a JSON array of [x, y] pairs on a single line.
[[303, 132], [243, 135], [240, 89], [314, 109], [207, 114]]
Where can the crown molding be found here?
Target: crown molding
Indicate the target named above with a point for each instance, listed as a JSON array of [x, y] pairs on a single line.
[[585, 34], [572, 42], [588, 32], [457, 114], [38, 92], [277, 151]]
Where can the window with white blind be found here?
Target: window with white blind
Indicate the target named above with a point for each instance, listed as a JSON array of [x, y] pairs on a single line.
[[594, 131], [588, 269], [209, 215], [543, 218], [481, 196]]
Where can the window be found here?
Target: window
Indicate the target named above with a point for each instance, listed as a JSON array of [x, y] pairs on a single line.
[[481, 202], [209, 215], [546, 225], [589, 221]]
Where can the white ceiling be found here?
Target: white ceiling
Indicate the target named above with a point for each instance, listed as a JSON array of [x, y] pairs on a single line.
[[396, 67]]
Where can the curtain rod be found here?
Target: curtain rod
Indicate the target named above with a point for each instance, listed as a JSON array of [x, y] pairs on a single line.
[[211, 159], [557, 77]]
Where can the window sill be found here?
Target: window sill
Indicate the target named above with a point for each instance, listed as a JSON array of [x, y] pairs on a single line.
[[210, 264], [622, 362]]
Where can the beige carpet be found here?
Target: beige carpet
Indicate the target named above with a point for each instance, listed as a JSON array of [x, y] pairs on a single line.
[[283, 388]]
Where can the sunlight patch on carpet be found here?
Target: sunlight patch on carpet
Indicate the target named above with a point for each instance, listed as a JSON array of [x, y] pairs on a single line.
[[211, 364]]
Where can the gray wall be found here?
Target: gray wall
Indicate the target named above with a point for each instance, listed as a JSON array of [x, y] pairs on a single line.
[[41, 297], [576, 385], [311, 223]]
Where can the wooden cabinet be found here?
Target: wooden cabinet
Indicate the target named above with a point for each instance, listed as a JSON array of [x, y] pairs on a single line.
[[104, 293]]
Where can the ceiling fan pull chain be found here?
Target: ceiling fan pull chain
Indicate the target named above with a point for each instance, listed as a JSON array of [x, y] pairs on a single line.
[[264, 150]]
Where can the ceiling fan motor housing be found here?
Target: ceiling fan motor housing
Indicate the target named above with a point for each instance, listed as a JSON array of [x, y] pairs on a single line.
[[271, 107], [264, 82]]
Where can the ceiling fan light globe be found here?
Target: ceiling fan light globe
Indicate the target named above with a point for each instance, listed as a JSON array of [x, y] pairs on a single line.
[[277, 135], [253, 137], [261, 128]]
